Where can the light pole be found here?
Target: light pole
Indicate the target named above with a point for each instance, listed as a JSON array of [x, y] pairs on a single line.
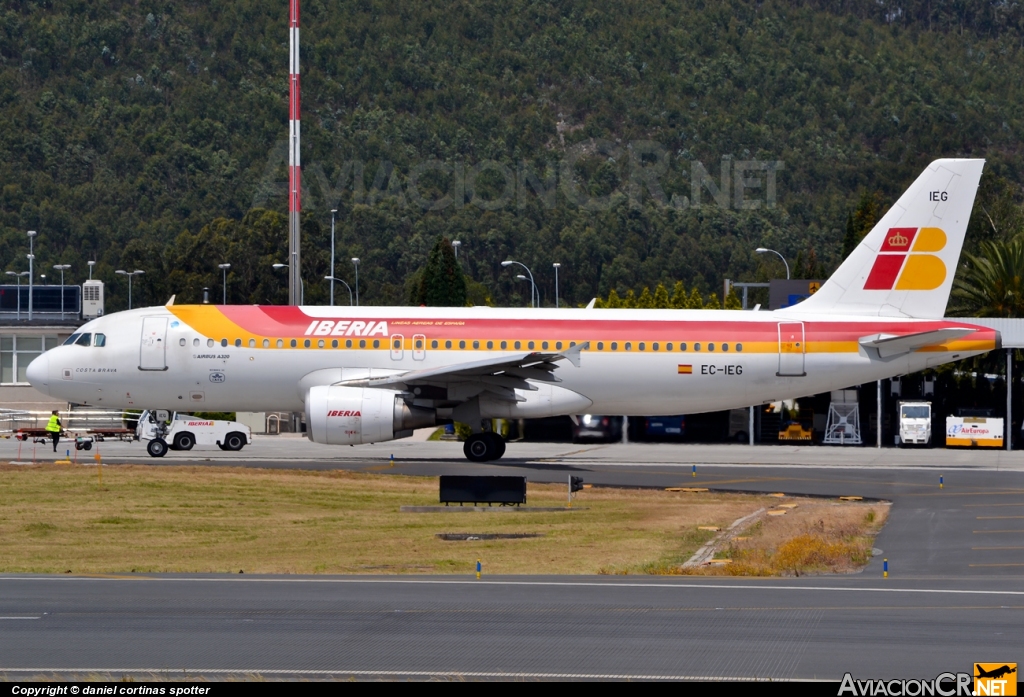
[[556, 265], [136, 272], [91, 264], [224, 269], [62, 268], [333, 212], [332, 279], [763, 250], [355, 262], [31, 259], [533, 286], [455, 246], [19, 275], [302, 284]]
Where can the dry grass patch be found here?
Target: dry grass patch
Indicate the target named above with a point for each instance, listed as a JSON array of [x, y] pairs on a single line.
[[210, 519], [818, 536]]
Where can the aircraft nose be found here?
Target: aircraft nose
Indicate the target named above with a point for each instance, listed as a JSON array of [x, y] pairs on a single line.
[[38, 373]]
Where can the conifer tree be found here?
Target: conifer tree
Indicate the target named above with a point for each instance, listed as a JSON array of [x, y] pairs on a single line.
[[442, 284], [732, 300], [614, 301], [695, 301], [713, 303], [679, 298], [661, 299], [645, 301], [630, 300]]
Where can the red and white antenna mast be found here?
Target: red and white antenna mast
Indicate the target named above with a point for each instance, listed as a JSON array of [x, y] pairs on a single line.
[[294, 162]]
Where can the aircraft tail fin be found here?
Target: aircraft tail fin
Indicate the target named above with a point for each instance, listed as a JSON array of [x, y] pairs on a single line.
[[905, 266]]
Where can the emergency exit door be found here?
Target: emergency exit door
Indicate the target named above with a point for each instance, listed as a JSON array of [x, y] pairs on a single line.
[[791, 349], [153, 352]]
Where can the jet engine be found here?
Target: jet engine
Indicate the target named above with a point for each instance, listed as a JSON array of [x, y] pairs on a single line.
[[337, 415]]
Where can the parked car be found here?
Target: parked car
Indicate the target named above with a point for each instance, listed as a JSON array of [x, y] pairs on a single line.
[[597, 427], [658, 427]]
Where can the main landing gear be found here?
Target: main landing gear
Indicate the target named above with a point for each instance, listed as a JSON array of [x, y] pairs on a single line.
[[481, 447]]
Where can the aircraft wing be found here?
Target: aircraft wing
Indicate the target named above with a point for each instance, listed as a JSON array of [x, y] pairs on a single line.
[[889, 345], [508, 372]]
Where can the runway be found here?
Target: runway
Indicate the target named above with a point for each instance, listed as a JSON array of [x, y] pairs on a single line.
[[504, 628], [954, 593]]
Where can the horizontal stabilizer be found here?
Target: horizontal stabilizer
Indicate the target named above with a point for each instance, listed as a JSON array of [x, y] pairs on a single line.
[[889, 345]]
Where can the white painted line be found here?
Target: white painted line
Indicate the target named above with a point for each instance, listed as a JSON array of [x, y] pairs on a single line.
[[556, 584], [19, 618], [425, 673]]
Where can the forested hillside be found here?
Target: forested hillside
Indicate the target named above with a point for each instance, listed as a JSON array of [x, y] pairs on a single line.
[[151, 135]]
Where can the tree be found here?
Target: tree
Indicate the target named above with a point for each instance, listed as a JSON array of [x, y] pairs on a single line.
[[645, 301], [695, 301], [679, 298], [991, 283], [732, 301], [850, 240], [442, 284], [613, 301], [661, 299]]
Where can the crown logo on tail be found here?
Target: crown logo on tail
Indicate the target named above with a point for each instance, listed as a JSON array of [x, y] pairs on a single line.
[[899, 240]]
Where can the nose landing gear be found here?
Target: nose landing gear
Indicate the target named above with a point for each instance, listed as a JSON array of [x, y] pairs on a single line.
[[482, 447]]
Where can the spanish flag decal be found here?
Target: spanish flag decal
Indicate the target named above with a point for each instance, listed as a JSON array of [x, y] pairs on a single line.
[[685, 369]]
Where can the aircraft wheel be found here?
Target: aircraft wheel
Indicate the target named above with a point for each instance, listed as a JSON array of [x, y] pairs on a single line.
[[234, 441], [478, 447], [184, 441], [87, 446], [498, 445], [156, 448]]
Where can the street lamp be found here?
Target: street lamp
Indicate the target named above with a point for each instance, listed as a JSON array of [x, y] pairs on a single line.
[[91, 264], [355, 262], [302, 284], [224, 269], [333, 212], [763, 250], [556, 265], [62, 268], [31, 258], [332, 279], [455, 246], [19, 275], [136, 272], [533, 286]]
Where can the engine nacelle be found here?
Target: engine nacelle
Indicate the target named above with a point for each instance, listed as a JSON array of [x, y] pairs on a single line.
[[338, 415]]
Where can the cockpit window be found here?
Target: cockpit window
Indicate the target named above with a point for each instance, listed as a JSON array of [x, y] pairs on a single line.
[[100, 340], [71, 339], [85, 339]]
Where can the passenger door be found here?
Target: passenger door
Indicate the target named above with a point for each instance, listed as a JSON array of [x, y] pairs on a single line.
[[791, 349], [153, 352]]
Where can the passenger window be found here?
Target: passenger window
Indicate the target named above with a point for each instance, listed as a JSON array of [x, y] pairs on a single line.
[[280, 343], [504, 345], [252, 343], [397, 344], [223, 342], [629, 346], [101, 340], [294, 343], [641, 346], [696, 346], [725, 347], [362, 343], [462, 344], [71, 339], [85, 339], [305, 344], [348, 343], [490, 345], [433, 343], [668, 346], [334, 343], [266, 343], [419, 343], [376, 343], [600, 346], [739, 347], [654, 346], [615, 346], [209, 343], [181, 341], [517, 345], [448, 344], [544, 345], [238, 343], [529, 345], [195, 342], [476, 344], [320, 343], [558, 346], [682, 346], [711, 347]]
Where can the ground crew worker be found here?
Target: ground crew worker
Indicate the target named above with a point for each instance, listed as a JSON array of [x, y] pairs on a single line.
[[53, 428]]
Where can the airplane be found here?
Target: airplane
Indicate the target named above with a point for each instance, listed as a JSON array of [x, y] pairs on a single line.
[[373, 374], [994, 673]]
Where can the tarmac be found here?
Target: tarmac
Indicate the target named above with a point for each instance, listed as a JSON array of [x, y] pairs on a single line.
[[954, 593]]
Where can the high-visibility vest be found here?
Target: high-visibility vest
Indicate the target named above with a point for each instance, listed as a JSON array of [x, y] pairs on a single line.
[[54, 425]]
